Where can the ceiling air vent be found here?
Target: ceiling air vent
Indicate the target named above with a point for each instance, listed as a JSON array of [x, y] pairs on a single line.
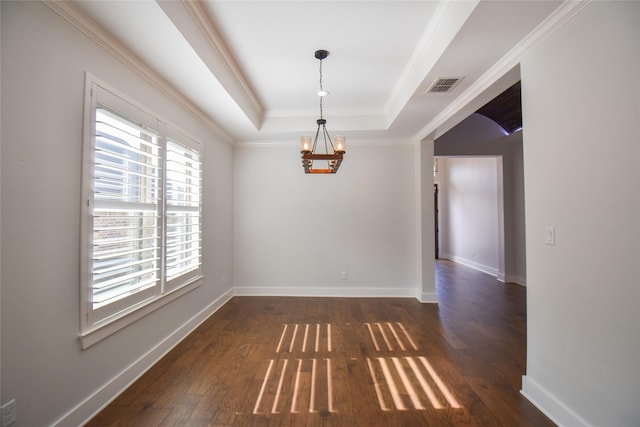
[[444, 84]]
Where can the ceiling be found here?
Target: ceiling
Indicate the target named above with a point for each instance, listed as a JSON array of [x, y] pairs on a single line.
[[505, 109], [250, 65]]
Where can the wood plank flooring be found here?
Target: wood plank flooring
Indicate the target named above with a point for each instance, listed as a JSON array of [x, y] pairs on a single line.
[[274, 361]]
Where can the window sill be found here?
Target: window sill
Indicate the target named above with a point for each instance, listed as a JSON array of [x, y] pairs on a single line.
[[101, 331]]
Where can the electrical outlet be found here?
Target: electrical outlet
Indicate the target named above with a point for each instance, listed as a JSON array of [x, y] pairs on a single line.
[[343, 276], [9, 413]]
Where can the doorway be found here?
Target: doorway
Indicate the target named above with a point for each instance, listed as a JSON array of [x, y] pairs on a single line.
[[469, 196]]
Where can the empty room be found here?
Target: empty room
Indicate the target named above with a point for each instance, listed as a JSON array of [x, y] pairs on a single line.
[[320, 213]]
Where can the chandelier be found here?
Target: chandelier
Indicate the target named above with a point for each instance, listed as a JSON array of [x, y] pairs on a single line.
[[332, 153]]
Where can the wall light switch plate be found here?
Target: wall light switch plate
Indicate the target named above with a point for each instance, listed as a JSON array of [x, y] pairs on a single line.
[[550, 235]]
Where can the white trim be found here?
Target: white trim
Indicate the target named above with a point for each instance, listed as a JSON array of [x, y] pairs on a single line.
[[448, 19], [119, 51], [96, 326], [1, 218], [438, 219], [171, 129], [295, 143], [224, 64], [366, 292], [472, 264], [98, 400], [102, 330], [518, 280], [553, 408], [510, 60], [427, 297]]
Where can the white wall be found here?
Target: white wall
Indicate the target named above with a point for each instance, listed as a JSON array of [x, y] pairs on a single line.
[[295, 233], [470, 202], [425, 218], [1, 401], [478, 135], [581, 110], [43, 63], [514, 213]]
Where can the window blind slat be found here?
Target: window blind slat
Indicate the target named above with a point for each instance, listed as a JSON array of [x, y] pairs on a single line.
[[120, 253], [114, 281], [183, 192], [125, 142], [120, 279], [131, 147], [173, 236], [118, 266], [122, 172], [106, 206], [186, 168], [123, 228], [182, 257], [143, 160], [179, 213], [102, 299], [139, 241], [106, 115]]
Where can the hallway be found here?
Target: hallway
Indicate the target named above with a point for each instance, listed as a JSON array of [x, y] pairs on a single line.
[[345, 362]]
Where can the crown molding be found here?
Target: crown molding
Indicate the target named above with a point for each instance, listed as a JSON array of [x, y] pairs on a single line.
[[509, 61], [210, 46], [337, 124], [117, 49], [351, 142], [447, 20]]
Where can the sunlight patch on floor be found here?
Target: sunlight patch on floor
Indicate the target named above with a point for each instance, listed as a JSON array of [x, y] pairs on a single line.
[[300, 379], [315, 338], [396, 377]]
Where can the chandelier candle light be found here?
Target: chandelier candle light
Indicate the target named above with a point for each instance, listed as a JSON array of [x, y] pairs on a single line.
[[332, 156]]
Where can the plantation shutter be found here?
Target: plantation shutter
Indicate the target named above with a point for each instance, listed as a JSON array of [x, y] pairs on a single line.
[[141, 217], [126, 210], [183, 244]]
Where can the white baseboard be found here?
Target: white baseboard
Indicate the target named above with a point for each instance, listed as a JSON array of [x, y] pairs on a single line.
[[476, 266], [324, 292], [557, 411], [519, 280], [505, 278], [427, 297], [94, 403]]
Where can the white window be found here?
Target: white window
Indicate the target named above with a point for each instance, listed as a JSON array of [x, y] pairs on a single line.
[[142, 222]]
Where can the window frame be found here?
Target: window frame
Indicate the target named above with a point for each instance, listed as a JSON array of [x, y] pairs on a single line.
[[93, 326]]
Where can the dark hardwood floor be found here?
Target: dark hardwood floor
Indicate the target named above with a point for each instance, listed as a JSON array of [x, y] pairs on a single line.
[[272, 361]]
